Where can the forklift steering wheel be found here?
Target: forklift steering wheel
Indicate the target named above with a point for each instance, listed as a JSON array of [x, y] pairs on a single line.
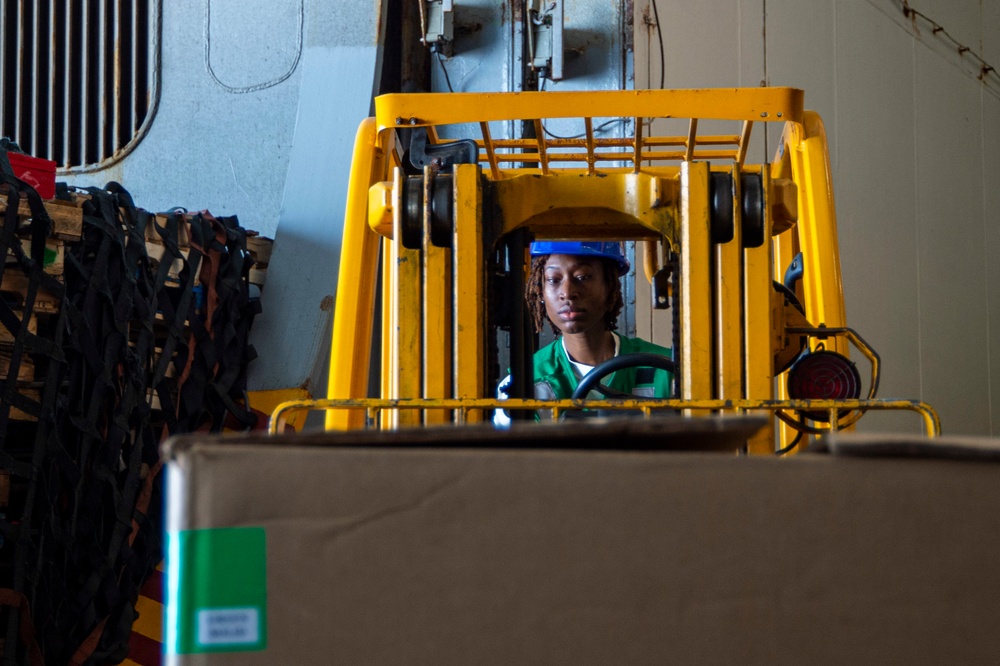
[[640, 360]]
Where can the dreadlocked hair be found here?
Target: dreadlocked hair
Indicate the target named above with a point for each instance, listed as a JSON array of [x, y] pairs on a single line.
[[534, 294]]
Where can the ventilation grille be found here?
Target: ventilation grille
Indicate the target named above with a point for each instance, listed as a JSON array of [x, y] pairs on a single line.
[[77, 79]]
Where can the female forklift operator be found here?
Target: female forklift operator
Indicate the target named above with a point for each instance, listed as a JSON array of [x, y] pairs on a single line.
[[575, 286]]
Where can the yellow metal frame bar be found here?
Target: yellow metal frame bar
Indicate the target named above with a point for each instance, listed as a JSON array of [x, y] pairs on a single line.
[[727, 297], [531, 150], [746, 105], [696, 337], [817, 224], [436, 281], [469, 410], [266, 401], [388, 374], [803, 157], [760, 341], [755, 104], [353, 315], [470, 285], [618, 205], [406, 369]]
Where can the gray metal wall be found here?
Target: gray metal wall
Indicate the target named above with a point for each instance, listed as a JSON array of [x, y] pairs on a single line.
[[259, 104], [915, 152]]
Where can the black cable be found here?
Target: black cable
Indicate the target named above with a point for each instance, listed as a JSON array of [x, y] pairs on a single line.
[[936, 29], [659, 34], [580, 136], [792, 445], [444, 71]]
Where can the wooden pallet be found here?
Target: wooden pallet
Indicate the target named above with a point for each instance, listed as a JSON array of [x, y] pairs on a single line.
[[25, 372], [67, 220], [67, 216], [14, 287], [259, 248]]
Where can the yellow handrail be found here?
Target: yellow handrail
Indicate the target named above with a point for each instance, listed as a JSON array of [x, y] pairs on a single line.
[[372, 406]]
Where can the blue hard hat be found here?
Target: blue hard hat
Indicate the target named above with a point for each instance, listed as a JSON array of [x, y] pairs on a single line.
[[614, 250]]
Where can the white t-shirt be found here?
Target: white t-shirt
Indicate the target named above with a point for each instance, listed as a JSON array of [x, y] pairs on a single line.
[[500, 417]]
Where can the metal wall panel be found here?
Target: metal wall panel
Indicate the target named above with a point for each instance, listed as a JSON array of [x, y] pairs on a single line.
[[949, 183], [876, 200], [243, 56], [989, 42], [914, 151], [208, 147], [483, 57], [801, 47], [312, 141], [302, 276], [701, 40], [991, 219]]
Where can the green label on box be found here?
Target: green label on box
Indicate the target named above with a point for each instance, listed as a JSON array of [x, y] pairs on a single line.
[[216, 590]]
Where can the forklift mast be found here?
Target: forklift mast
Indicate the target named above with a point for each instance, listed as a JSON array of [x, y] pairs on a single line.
[[745, 255]]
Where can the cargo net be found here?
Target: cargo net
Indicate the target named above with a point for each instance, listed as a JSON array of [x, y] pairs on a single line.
[[113, 335]]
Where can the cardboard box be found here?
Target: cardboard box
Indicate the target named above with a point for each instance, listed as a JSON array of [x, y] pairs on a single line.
[[544, 546], [35, 171]]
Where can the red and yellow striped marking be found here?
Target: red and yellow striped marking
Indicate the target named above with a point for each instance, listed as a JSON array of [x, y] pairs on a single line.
[[146, 642]]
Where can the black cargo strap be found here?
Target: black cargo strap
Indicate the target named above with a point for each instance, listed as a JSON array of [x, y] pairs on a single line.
[[26, 560], [126, 333], [213, 378], [103, 429]]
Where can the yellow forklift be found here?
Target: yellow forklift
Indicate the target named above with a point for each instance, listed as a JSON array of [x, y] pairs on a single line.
[[436, 537], [742, 256]]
